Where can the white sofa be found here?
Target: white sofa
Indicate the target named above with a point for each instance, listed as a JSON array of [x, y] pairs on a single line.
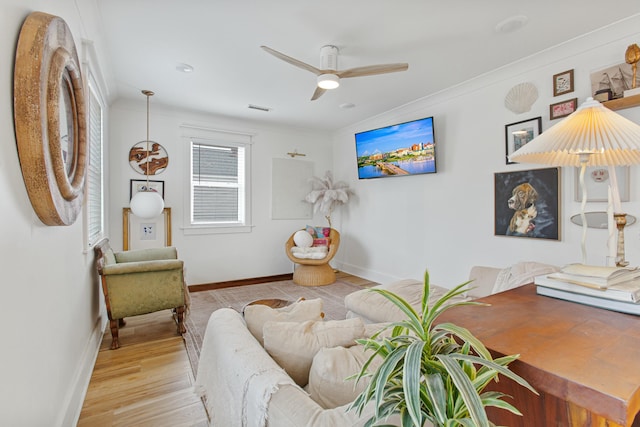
[[243, 386], [374, 308]]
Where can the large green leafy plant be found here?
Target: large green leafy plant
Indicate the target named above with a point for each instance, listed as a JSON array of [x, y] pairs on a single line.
[[432, 372]]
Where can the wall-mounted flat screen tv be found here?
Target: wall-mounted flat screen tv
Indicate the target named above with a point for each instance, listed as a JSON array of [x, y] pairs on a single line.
[[398, 150]]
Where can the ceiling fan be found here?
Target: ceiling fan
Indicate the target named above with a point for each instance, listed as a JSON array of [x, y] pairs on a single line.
[[328, 75]]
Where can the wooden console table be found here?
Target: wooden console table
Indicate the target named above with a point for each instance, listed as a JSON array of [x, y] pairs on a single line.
[[584, 361]]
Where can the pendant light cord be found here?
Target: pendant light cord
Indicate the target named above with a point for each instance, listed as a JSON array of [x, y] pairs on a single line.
[[148, 93]]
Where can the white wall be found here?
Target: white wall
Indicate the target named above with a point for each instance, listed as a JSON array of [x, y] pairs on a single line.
[[50, 295], [212, 257], [398, 227], [51, 299]]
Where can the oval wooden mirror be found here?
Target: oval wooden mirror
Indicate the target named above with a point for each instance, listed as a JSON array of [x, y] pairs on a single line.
[[50, 118]]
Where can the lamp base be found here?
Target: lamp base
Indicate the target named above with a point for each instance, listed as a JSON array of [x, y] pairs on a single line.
[[621, 221]]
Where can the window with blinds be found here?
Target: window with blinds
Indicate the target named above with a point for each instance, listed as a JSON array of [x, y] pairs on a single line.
[[218, 183], [95, 189]]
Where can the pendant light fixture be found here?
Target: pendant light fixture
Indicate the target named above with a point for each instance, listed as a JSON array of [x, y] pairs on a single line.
[[147, 203]]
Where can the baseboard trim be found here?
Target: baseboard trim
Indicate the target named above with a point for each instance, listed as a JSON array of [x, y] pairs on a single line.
[[80, 383], [241, 282], [374, 276]]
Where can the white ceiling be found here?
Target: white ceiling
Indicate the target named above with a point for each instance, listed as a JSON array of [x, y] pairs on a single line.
[[445, 42]]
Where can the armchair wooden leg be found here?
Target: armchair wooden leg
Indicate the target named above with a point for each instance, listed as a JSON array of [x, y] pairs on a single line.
[[115, 343], [179, 315]]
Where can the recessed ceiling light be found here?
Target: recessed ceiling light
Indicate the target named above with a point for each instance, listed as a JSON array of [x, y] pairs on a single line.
[[511, 24], [347, 105], [184, 68]]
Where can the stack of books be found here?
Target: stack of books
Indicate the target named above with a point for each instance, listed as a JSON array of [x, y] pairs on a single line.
[[611, 288]]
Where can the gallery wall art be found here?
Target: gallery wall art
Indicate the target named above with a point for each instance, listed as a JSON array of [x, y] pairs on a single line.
[[527, 203]]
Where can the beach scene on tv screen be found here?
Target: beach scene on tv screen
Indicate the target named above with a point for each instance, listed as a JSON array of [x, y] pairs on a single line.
[[402, 149]]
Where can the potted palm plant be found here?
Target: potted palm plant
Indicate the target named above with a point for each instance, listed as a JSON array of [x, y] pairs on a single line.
[[432, 373]]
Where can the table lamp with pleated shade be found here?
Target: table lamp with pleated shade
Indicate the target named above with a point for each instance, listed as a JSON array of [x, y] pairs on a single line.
[[593, 135]]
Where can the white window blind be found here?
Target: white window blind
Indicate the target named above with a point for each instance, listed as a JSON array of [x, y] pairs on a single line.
[[218, 183], [95, 188]]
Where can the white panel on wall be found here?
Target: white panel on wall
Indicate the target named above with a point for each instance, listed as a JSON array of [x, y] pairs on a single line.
[[290, 184]]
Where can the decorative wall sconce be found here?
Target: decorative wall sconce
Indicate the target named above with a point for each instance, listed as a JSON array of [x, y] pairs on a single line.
[[293, 154]]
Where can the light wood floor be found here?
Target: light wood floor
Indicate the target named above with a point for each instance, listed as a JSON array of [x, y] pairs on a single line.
[[146, 382]]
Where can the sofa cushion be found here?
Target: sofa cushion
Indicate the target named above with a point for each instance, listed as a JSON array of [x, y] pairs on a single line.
[[315, 252], [293, 345], [520, 274], [328, 383], [258, 314], [150, 254], [373, 307], [483, 279]]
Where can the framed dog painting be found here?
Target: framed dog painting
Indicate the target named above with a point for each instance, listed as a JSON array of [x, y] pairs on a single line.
[[527, 203]]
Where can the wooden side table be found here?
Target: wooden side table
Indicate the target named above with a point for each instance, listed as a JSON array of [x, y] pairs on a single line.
[[270, 302], [584, 361]]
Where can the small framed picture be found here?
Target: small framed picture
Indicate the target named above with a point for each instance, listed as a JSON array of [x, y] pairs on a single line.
[[137, 185], [519, 134], [138, 233], [562, 109], [597, 181], [563, 83]]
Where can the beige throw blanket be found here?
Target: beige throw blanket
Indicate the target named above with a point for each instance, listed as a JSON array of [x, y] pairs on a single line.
[[236, 383], [520, 274]]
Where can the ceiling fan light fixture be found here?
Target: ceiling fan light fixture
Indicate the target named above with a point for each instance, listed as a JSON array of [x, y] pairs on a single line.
[[328, 81]]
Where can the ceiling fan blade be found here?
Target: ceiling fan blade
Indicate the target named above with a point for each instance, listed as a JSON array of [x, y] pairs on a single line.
[[292, 61], [372, 70], [318, 93]]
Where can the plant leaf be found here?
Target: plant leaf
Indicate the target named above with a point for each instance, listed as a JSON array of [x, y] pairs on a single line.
[[411, 380], [467, 390], [413, 321], [467, 337], [436, 393], [382, 375], [501, 369], [497, 402]]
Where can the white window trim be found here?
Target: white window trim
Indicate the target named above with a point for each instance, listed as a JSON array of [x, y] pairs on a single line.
[[206, 135], [95, 83], [92, 240]]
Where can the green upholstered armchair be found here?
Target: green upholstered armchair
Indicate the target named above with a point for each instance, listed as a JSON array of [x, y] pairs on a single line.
[[139, 282]]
